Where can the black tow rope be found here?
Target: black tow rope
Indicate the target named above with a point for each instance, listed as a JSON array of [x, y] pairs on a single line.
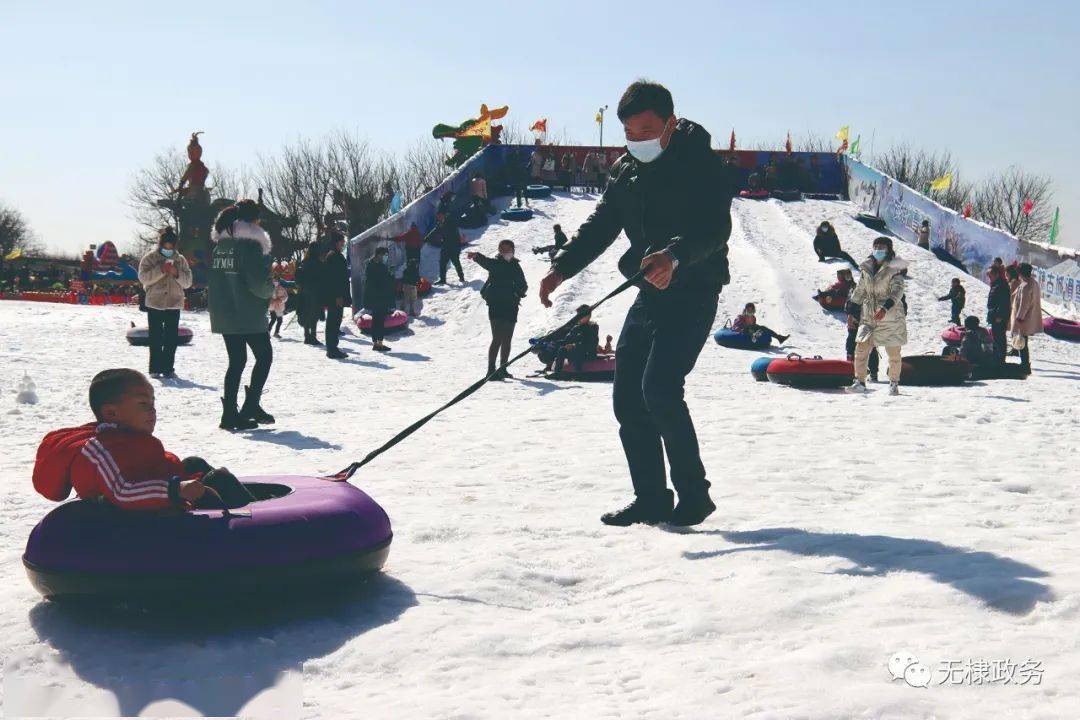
[[556, 335]]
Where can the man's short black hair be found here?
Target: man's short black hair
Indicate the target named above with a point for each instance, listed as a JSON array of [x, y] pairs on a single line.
[[644, 95], [1025, 270], [109, 385]]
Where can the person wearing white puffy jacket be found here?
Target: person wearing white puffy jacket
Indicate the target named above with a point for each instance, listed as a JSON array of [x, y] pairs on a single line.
[[883, 320]]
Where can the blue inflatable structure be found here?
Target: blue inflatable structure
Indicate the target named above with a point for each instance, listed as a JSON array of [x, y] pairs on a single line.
[[726, 337]]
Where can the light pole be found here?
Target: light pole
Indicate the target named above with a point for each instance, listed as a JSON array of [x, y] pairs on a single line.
[[600, 114]]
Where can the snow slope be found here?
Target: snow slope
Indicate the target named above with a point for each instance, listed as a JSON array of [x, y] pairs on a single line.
[[942, 522]]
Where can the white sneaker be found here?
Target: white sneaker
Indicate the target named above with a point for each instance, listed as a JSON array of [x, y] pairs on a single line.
[[856, 387], [894, 388]]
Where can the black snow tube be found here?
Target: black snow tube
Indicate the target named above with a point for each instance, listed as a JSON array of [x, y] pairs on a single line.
[[517, 214], [538, 191], [1004, 371], [934, 370], [140, 336], [787, 195]]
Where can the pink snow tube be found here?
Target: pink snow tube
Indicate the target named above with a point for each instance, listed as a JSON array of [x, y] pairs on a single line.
[[396, 320], [953, 334], [1061, 328], [602, 367]]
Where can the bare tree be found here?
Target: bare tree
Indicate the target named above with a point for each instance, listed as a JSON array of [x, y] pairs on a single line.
[[421, 168], [15, 233], [1000, 199], [916, 168]]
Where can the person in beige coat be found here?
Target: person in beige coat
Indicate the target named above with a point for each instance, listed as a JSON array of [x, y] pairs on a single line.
[[164, 274], [1026, 317], [883, 320]]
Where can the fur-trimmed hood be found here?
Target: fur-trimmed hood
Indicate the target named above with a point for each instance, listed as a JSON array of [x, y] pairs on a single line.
[[246, 231]]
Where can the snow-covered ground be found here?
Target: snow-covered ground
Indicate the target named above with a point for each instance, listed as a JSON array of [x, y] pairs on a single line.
[[942, 522]]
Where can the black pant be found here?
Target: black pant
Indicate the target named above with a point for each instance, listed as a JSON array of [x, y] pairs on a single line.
[[333, 326], [768, 331], [957, 308], [1025, 354], [236, 346], [378, 327], [502, 333], [872, 363], [997, 330], [275, 323], [578, 355], [223, 484], [658, 347], [520, 194], [164, 325], [450, 256]]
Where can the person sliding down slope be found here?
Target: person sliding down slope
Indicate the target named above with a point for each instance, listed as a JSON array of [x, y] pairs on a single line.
[[672, 197], [827, 245]]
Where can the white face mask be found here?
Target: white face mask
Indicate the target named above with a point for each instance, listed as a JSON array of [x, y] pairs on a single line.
[[507, 256], [646, 150]]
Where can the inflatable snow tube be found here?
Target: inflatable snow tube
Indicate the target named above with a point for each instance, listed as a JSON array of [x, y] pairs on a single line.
[[599, 369], [1061, 328], [954, 334], [787, 195], [395, 321], [141, 336], [814, 372], [833, 303], [519, 214], [300, 531], [760, 368], [726, 337], [934, 370], [760, 194], [538, 191], [1004, 371]]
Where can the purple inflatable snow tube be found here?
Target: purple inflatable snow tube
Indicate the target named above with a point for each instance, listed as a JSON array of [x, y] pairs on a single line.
[[301, 529]]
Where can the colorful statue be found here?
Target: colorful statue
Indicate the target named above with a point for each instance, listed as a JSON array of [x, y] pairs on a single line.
[[196, 173], [472, 134]]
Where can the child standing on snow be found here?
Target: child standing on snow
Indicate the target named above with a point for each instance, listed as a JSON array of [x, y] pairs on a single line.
[[118, 459], [747, 324], [957, 296], [277, 307], [410, 278]]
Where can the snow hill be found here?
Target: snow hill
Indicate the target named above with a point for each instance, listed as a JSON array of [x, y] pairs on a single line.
[[942, 522]]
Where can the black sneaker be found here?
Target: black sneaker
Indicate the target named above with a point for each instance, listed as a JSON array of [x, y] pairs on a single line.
[[692, 510], [170, 375], [647, 510], [336, 354]]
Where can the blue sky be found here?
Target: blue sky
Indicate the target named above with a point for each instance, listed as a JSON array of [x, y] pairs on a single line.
[[91, 91]]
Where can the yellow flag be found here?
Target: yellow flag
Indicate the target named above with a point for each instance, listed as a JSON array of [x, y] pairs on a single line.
[[843, 134], [599, 118], [481, 128], [942, 183], [14, 254]]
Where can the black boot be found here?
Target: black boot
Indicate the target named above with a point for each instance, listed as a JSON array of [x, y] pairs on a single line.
[[645, 509], [251, 410], [230, 418], [691, 510]]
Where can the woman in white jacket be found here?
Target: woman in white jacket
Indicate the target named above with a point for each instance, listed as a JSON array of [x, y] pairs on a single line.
[[883, 322], [164, 275]]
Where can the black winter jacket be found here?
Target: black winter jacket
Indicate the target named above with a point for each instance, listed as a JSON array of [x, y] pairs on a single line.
[[334, 280], [827, 244], [999, 301], [505, 285], [684, 196], [378, 286]]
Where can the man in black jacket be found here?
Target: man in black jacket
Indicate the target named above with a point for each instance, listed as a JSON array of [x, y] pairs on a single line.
[[503, 291], [378, 296], [448, 235], [336, 295], [998, 310], [672, 197]]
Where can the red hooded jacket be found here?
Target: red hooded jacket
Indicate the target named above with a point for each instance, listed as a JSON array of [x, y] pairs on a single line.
[[131, 470]]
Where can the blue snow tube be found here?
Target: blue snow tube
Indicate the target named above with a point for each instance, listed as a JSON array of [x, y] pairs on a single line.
[[538, 191], [726, 337], [759, 369], [517, 214]]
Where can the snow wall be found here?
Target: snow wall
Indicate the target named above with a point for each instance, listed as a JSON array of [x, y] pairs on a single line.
[[819, 172], [973, 243]]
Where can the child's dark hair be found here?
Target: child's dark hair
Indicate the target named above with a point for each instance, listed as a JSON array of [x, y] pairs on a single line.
[[643, 95], [971, 323], [109, 385], [505, 243], [243, 210], [166, 235], [584, 311], [749, 306], [1025, 270]]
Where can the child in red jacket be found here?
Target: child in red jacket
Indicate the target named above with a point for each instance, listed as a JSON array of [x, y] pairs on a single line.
[[117, 458]]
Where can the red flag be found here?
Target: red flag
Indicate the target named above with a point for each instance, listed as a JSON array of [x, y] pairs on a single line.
[[1029, 205], [731, 145], [787, 144], [540, 126], [967, 210]]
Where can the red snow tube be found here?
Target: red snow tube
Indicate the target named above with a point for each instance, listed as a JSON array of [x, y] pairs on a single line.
[[397, 320], [953, 334], [831, 302], [759, 194], [1061, 328], [602, 367], [813, 372], [934, 370]]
